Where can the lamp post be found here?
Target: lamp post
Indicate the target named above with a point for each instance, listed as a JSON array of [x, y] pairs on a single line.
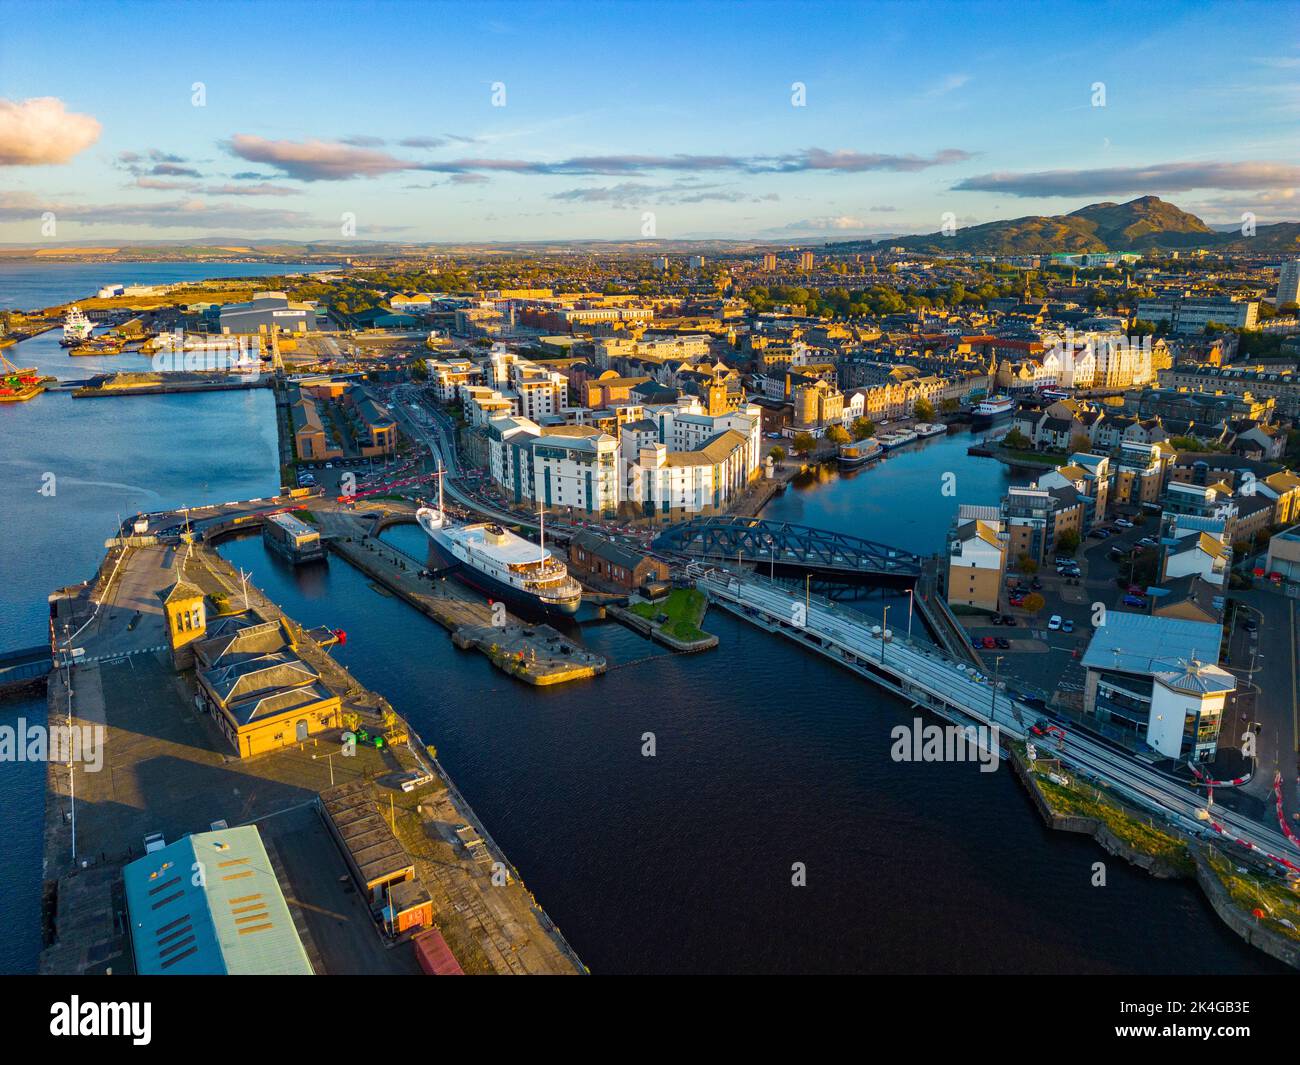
[[883, 629], [910, 600], [993, 703]]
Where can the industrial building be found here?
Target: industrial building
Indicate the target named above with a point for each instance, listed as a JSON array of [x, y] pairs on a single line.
[[210, 905]]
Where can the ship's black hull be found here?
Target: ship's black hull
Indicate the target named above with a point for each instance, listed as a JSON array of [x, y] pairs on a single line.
[[527, 605]]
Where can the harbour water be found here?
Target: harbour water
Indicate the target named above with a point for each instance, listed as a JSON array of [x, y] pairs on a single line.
[[765, 755], [29, 286]]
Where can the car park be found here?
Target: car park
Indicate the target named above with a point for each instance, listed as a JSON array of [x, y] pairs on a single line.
[[1054, 622]]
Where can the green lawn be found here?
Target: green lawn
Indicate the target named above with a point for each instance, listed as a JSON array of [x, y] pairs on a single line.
[[685, 609], [1039, 457]]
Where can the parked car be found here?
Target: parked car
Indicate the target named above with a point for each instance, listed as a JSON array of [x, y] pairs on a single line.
[[1054, 622], [1007, 619], [1250, 625], [1147, 541], [1003, 643], [989, 643], [1123, 523], [1067, 625], [1134, 600]]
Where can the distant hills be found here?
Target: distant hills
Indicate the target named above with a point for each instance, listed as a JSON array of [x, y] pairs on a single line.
[[1139, 225]]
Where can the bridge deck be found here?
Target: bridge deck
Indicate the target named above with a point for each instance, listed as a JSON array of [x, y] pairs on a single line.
[[785, 544]]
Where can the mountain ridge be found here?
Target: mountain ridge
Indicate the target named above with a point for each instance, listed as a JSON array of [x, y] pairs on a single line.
[[1141, 224]]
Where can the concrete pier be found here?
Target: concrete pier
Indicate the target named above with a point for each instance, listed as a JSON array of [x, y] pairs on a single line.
[[535, 654]]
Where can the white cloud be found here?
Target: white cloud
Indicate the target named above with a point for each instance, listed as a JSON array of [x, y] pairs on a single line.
[[42, 131]]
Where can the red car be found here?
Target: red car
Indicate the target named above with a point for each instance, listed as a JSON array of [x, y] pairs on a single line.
[[989, 643]]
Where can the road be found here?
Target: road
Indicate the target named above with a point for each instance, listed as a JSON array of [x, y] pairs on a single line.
[[928, 670], [1267, 664]]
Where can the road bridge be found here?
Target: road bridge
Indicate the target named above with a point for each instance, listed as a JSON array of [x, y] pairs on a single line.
[[929, 678], [781, 547]]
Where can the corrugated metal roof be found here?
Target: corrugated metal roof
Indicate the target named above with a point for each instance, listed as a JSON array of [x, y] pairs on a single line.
[[1138, 643], [210, 904]]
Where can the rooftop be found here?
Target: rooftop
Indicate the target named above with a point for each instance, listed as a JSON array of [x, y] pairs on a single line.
[[1138, 643], [234, 921]]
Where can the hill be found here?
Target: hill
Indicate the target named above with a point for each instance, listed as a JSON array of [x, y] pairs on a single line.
[[1138, 225]]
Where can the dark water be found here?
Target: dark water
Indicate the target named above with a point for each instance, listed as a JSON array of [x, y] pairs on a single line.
[[901, 499], [767, 756], [30, 286], [680, 863]]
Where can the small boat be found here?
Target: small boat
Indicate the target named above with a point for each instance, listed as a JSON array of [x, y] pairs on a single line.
[[924, 429], [859, 453]]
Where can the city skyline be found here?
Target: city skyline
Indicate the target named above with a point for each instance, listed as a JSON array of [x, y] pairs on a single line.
[[759, 122]]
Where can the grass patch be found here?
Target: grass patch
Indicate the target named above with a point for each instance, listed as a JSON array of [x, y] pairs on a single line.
[[1036, 457], [1251, 892], [684, 608], [1085, 800]]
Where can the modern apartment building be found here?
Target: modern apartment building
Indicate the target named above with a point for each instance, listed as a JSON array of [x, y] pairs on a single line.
[[1189, 315], [1033, 520], [1153, 681], [1288, 283]]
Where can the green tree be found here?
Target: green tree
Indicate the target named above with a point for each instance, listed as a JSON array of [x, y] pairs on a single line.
[[803, 443], [863, 428], [837, 434], [1016, 439], [949, 406], [1068, 542], [1033, 603], [778, 454], [923, 411], [1027, 565]]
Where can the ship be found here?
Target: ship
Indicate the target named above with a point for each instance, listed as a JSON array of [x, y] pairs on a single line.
[[76, 327], [490, 558], [991, 410], [859, 453], [924, 429]]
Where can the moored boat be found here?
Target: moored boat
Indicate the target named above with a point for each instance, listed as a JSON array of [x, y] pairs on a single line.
[[500, 564], [76, 327], [991, 410], [859, 452]]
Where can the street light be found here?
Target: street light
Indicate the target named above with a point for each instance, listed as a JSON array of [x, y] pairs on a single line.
[[993, 703], [884, 628]]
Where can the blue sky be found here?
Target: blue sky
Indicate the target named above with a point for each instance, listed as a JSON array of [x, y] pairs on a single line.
[[385, 111]]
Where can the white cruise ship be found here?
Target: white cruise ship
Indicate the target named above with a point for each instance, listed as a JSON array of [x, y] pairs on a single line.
[[76, 327], [500, 564]]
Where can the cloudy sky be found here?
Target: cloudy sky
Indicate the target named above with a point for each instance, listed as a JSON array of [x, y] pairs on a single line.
[[519, 121]]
